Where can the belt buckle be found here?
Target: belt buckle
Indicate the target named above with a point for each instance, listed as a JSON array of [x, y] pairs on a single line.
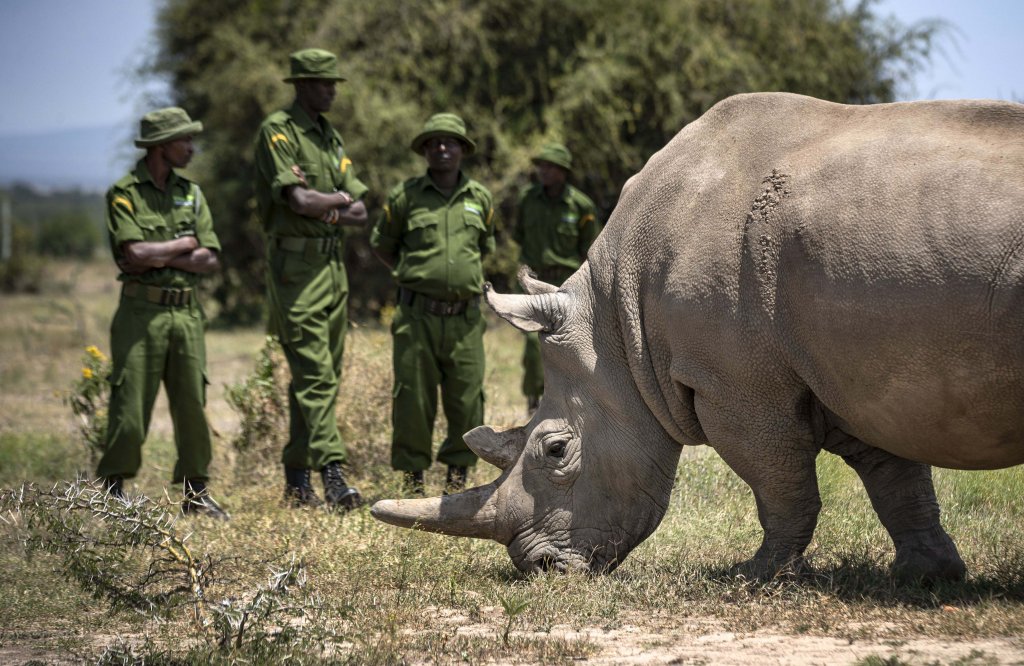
[[173, 297], [328, 244]]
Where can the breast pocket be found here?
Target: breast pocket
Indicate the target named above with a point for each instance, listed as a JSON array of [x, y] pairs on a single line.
[[422, 229], [184, 218], [474, 226], [567, 236], [314, 176], [154, 227]]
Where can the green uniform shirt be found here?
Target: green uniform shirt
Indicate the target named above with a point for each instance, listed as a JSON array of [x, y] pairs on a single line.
[[290, 138], [555, 233], [138, 211], [439, 241]]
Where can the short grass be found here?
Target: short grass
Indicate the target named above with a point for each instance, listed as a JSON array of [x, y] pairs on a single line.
[[399, 596]]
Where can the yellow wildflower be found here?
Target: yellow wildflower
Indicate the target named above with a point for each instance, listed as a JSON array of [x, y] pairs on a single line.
[[87, 373], [95, 352]]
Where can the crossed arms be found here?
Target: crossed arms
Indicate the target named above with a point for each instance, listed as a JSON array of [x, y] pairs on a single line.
[[182, 253]]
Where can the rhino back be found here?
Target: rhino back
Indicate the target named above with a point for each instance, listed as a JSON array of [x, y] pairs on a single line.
[[867, 258]]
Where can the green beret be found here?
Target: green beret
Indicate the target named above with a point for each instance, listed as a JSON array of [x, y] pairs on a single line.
[[556, 154], [165, 125], [313, 64], [443, 124]]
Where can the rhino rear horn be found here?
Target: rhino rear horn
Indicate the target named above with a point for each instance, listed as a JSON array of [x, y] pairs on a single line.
[[529, 312], [501, 449]]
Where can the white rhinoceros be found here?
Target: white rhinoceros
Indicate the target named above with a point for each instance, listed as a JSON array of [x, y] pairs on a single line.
[[787, 275]]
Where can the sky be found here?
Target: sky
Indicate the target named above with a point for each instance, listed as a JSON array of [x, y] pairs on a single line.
[[66, 64]]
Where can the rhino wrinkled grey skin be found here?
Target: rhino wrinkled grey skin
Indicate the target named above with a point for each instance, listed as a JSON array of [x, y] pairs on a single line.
[[786, 276]]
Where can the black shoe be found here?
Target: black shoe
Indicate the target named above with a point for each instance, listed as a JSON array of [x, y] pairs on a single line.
[[412, 484], [198, 502], [114, 486], [337, 493], [298, 492], [456, 480]]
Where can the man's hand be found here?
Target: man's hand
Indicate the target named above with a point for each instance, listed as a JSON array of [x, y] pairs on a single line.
[[130, 268], [335, 215]]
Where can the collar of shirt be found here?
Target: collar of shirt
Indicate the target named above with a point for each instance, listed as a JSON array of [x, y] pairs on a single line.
[[306, 123], [142, 175], [426, 182], [541, 194]]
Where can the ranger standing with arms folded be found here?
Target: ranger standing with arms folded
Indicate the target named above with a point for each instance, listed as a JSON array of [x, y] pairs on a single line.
[[307, 188], [161, 234], [433, 234], [555, 226]]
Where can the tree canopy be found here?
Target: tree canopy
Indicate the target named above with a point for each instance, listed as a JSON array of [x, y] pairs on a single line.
[[614, 81]]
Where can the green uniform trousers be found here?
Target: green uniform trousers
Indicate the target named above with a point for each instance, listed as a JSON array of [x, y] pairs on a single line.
[[308, 293], [431, 351], [533, 367], [150, 343]]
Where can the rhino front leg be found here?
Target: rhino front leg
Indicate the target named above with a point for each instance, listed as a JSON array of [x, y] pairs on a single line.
[[778, 463], [903, 496]]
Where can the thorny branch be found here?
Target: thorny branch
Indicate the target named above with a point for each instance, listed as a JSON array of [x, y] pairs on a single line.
[[131, 553]]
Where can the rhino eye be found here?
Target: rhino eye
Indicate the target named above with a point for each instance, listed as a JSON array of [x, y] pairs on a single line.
[[556, 449]]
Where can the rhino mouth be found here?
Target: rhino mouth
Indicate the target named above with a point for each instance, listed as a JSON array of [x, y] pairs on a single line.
[[563, 559]]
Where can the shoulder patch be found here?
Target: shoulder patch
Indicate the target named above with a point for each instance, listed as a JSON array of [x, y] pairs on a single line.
[[123, 202]]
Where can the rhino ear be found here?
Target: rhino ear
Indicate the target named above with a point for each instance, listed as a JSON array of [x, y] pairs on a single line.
[[529, 312], [501, 449], [531, 284]]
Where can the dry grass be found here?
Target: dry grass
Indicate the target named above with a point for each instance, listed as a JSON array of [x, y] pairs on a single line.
[[397, 596]]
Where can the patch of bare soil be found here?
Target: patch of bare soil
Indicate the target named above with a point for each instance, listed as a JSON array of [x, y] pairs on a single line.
[[708, 641], [699, 643]]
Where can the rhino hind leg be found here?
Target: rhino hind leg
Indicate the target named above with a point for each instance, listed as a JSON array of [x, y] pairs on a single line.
[[903, 496]]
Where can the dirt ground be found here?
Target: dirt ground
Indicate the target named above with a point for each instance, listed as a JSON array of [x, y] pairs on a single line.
[[695, 641]]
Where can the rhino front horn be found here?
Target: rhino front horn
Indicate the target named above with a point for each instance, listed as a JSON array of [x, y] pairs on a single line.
[[468, 514]]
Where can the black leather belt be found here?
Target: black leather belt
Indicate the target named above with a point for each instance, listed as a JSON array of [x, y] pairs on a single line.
[[158, 295], [434, 306], [324, 245]]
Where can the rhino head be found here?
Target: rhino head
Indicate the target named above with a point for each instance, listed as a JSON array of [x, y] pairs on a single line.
[[589, 477]]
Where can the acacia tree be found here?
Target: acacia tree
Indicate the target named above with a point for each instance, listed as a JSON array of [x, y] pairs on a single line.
[[615, 81]]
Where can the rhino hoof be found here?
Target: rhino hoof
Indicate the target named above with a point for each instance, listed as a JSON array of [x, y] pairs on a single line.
[[928, 566], [766, 569]]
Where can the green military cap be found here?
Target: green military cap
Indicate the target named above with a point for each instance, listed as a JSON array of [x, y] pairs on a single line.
[[556, 154], [165, 125], [443, 124], [314, 64]]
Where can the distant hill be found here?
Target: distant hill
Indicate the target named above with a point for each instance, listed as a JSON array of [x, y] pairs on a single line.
[[88, 158]]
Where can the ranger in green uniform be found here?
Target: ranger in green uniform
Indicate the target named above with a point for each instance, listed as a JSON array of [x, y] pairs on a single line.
[[433, 234], [307, 189], [555, 226], [161, 234]]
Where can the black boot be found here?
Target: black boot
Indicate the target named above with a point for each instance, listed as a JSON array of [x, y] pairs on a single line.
[[412, 483], [197, 501], [114, 486], [337, 493], [456, 480], [298, 491]]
